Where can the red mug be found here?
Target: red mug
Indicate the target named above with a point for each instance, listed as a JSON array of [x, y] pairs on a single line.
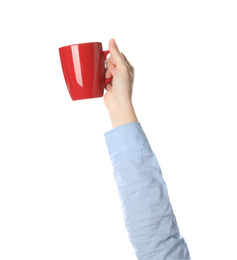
[[83, 67]]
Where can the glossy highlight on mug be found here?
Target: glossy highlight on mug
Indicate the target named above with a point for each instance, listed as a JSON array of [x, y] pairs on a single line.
[[77, 64]]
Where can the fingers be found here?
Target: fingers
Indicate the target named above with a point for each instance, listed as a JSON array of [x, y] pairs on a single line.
[[110, 58], [108, 74], [116, 61], [115, 53], [111, 68], [108, 87], [110, 65], [126, 60]]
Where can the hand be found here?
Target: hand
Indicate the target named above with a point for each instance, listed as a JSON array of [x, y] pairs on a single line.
[[118, 98]]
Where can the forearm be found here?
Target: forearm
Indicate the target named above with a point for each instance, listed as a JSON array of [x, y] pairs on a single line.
[[148, 214], [123, 114]]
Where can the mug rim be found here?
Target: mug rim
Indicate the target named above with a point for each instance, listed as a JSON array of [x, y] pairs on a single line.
[[76, 44]]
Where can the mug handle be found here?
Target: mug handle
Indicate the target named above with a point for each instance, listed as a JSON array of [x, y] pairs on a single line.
[[105, 55]]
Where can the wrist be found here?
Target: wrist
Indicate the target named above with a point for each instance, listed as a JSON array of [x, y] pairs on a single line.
[[122, 115]]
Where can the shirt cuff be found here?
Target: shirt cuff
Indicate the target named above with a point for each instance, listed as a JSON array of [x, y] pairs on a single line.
[[127, 141]]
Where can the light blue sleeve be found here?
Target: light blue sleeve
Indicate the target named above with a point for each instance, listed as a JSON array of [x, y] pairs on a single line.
[[148, 215]]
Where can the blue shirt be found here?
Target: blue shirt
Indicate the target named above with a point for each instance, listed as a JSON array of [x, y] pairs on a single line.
[[148, 215]]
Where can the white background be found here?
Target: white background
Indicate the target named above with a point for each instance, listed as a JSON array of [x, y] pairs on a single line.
[[58, 197]]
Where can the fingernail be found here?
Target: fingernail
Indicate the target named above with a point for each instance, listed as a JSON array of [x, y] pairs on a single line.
[[113, 43]]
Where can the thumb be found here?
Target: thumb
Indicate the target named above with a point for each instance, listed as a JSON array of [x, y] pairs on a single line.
[[114, 51]]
